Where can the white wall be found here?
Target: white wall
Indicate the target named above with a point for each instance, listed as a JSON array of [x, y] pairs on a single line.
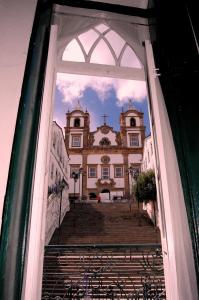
[[148, 155], [16, 19], [99, 135], [75, 159], [135, 158], [53, 210], [96, 158]]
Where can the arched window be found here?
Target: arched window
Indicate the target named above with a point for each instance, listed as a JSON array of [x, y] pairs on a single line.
[[132, 122], [105, 142], [101, 45], [77, 122]]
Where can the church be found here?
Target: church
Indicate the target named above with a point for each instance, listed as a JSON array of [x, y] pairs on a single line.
[[103, 162]]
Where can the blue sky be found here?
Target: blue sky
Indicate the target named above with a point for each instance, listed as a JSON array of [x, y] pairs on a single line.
[[98, 99]]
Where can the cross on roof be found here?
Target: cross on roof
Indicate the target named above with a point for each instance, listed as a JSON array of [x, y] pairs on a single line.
[[130, 104], [104, 116]]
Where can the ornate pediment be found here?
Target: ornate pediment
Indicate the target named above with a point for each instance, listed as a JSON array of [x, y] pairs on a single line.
[[105, 129]]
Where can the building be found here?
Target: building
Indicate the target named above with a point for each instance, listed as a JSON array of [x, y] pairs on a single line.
[[148, 163], [105, 155], [58, 196], [38, 31], [148, 160]]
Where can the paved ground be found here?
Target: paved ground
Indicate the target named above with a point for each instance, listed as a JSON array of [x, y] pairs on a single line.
[[106, 223]]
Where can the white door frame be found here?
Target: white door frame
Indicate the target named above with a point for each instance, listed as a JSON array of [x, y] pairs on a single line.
[[176, 241], [179, 266]]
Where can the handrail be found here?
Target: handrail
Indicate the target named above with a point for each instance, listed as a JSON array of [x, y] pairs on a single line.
[[100, 246]]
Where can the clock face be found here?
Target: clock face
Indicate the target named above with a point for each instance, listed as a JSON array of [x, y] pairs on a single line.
[[105, 159]]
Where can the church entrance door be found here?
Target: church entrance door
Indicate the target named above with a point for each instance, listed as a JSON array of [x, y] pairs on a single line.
[[105, 195]]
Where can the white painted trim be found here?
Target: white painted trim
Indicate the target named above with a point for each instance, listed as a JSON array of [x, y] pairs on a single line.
[[83, 68], [178, 254], [35, 248]]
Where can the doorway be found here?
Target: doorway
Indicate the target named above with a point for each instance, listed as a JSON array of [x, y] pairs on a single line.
[[172, 228]]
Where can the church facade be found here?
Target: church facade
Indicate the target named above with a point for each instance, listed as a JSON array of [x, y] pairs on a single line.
[[104, 159]]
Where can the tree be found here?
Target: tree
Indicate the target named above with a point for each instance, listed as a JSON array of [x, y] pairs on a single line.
[[145, 188], [145, 191]]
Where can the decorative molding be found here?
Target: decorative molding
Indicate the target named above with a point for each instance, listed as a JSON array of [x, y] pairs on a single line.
[[105, 159], [105, 129], [106, 184]]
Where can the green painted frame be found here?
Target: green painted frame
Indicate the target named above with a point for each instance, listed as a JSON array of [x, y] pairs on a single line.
[[19, 191]]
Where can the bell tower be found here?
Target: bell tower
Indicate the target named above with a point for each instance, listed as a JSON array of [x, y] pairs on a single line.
[[132, 128], [77, 128]]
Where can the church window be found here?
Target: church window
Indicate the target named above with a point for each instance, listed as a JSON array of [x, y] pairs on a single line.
[[105, 142], [132, 122], [134, 140], [76, 141], [105, 172], [119, 171], [92, 172], [77, 122]]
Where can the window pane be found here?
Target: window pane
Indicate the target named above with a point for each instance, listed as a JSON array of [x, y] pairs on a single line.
[[76, 142], [87, 39], [129, 59], [134, 140], [92, 172], [116, 42], [102, 54], [118, 172], [73, 52], [105, 173]]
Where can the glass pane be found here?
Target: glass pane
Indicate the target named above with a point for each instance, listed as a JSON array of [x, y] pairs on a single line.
[[116, 42], [101, 28], [129, 59], [87, 39], [73, 52], [102, 54]]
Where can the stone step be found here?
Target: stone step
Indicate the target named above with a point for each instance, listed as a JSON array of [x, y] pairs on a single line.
[[103, 273]]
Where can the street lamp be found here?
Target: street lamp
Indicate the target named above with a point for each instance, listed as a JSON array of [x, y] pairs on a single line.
[[75, 176], [61, 187], [79, 173], [134, 172]]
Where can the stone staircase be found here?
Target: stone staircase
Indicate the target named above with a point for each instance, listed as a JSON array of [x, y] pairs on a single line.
[[104, 251], [106, 223]]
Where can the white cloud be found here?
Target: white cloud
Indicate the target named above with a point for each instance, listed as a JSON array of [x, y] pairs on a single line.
[[72, 87]]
